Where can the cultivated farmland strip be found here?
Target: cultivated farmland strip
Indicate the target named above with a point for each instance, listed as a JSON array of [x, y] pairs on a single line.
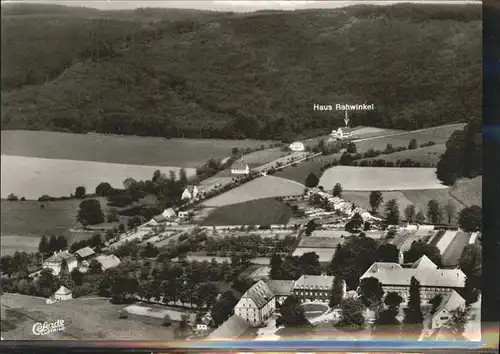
[[446, 240]]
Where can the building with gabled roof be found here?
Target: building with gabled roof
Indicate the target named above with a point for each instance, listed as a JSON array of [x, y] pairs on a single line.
[[84, 253], [191, 192], [424, 263], [239, 168], [61, 261], [234, 327], [297, 146], [257, 304], [281, 289], [433, 281], [451, 302], [314, 287]]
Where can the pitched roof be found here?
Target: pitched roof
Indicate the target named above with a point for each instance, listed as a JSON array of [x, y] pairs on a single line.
[[281, 287], [451, 302], [260, 293], [110, 261], [59, 257], [63, 291], [394, 274], [234, 327], [424, 263], [314, 282], [168, 212], [239, 166], [85, 252], [191, 188]]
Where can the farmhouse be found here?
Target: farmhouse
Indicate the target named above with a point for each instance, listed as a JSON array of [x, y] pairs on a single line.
[[239, 168], [433, 281], [191, 192], [168, 214], [314, 287], [341, 133], [257, 304], [281, 290], [297, 146], [451, 302], [60, 262]]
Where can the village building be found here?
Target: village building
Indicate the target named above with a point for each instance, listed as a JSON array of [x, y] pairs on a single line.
[[167, 215], [63, 293], [201, 326], [191, 192], [281, 290], [433, 281], [239, 168], [451, 302], [61, 261], [297, 146], [312, 288], [85, 254], [232, 329], [257, 304], [341, 133], [108, 262], [185, 214]]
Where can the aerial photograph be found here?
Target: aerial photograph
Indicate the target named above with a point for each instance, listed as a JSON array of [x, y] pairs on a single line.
[[222, 170]]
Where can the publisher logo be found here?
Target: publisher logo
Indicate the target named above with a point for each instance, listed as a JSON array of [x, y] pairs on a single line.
[[41, 329]]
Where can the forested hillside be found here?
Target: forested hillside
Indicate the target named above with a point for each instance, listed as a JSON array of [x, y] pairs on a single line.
[[241, 75]]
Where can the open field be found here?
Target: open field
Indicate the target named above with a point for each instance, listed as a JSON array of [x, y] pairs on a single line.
[[380, 178], [299, 172], [428, 154], [285, 160], [84, 319], [325, 254], [262, 157], [255, 212], [259, 188], [130, 150], [321, 242], [24, 223], [32, 177], [452, 254], [362, 199], [439, 135], [213, 181], [468, 191]]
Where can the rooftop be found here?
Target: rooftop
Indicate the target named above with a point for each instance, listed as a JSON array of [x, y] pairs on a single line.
[[314, 282], [260, 293], [451, 302], [234, 327], [239, 166], [63, 291], [424, 263], [85, 252], [59, 257], [281, 287], [108, 262]]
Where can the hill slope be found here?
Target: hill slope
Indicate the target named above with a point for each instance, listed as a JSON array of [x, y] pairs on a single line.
[[258, 75]]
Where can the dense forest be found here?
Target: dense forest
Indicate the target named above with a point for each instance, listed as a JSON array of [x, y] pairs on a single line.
[[223, 75]]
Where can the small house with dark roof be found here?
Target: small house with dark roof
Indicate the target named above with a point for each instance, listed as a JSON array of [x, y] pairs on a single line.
[[191, 192], [239, 168], [257, 304]]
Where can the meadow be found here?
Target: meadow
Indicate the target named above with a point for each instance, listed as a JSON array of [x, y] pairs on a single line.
[[438, 135], [427, 154], [130, 150], [32, 177], [255, 212], [84, 319], [453, 252], [24, 223], [380, 178], [300, 171], [261, 157], [259, 188]]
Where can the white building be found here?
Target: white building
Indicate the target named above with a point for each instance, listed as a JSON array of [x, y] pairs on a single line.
[[61, 261], [240, 169], [257, 304], [191, 192], [185, 214], [297, 146], [341, 133], [451, 302], [315, 288], [433, 281], [63, 293]]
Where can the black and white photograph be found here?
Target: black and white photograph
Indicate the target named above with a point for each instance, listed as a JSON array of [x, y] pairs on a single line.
[[241, 170]]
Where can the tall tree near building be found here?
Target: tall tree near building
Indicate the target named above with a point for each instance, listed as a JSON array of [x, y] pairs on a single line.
[[292, 314], [410, 213], [80, 192], [388, 253], [90, 212], [43, 246], [337, 292], [420, 217], [470, 218], [386, 322], [434, 213], [413, 317], [183, 179], [371, 293], [393, 300], [375, 200], [275, 264], [337, 190], [450, 211], [312, 180], [392, 212]]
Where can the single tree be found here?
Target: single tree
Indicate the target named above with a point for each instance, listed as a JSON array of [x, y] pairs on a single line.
[[458, 322], [410, 212], [337, 190], [292, 314], [371, 292], [434, 213], [351, 148], [80, 192], [392, 212], [470, 219], [310, 227], [95, 267], [112, 215], [103, 189], [43, 246], [128, 182], [413, 144], [90, 212], [337, 292], [275, 264], [450, 211], [393, 300], [419, 249], [375, 200], [312, 180], [386, 322], [435, 302], [420, 217], [53, 244], [183, 179], [77, 277], [352, 314], [387, 253], [12, 197], [413, 319]]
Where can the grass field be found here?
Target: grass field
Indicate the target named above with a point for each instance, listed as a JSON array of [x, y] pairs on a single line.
[[84, 319], [299, 172], [255, 212], [285, 160], [362, 199], [380, 178], [452, 254], [32, 177], [262, 157], [325, 254], [131, 150], [428, 154], [468, 191], [439, 135], [23, 223], [259, 188]]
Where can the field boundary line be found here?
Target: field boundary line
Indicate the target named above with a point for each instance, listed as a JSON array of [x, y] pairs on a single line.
[[285, 179], [404, 133]]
